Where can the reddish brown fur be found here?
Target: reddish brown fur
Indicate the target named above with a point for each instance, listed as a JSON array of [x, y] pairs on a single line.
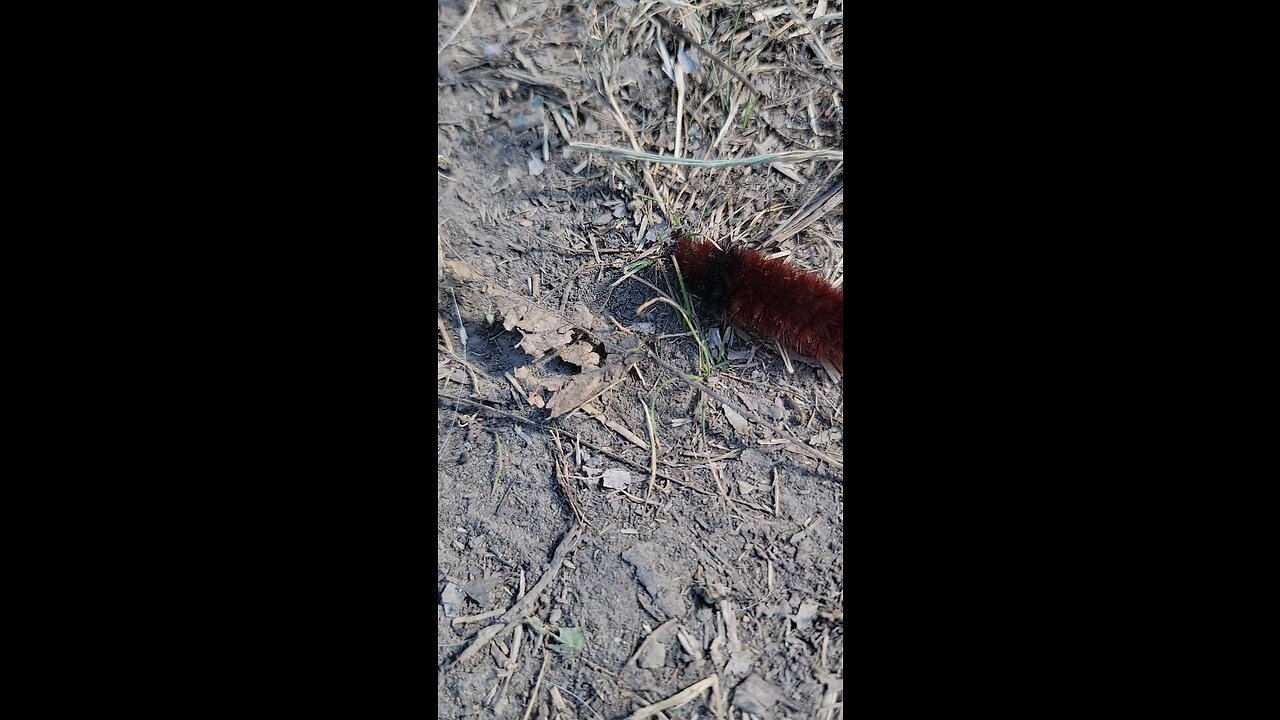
[[800, 309]]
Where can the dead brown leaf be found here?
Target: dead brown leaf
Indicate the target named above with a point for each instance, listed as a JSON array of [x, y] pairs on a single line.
[[581, 354], [577, 392]]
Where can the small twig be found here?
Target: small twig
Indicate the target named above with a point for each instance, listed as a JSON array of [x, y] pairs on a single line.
[[631, 437], [653, 449], [679, 107], [537, 685], [678, 699], [785, 156], [477, 618], [777, 505], [564, 484], [730, 625], [444, 332], [604, 451], [809, 213], [635, 498], [462, 329], [799, 71], [497, 472], [475, 383]]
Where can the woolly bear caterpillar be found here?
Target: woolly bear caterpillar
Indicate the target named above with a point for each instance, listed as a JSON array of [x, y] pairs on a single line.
[[799, 309]]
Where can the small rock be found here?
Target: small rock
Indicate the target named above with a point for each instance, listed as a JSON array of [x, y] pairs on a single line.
[[666, 589], [480, 588], [738, 422], [451, 599], [776, 410], [755, 695], [756, 458], [710, 594], [740, 661], [804, 616], [617, 479], [654, 656]]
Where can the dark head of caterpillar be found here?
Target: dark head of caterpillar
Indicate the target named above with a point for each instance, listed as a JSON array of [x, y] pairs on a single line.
[[707, 271], [799, 309]]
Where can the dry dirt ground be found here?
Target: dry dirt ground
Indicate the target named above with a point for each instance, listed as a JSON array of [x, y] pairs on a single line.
[[631, 526]]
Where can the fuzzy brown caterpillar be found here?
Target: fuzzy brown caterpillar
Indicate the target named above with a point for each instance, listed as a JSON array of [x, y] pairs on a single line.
[[799, 309]]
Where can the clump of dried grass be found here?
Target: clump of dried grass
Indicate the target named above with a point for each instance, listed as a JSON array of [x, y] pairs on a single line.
[[750, 131]]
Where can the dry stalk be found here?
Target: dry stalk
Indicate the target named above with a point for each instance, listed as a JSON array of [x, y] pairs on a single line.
[[680, 698], [537, 686], [785, 156], [444, 333], [653, 448], [475, 382]]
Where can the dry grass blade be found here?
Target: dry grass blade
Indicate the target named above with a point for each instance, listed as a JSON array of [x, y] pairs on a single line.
[[810, 213], [592, 446], [537, 686], [811, 37], [582, 702], [653, 449], [706, 53], [785, 156]]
